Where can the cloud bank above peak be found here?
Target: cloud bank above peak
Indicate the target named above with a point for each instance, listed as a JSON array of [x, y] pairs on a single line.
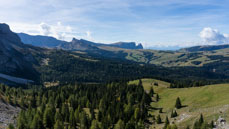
[[59, 31], [213, 36]]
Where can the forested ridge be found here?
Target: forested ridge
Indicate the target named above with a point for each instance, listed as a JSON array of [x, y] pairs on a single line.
[[70, 68]]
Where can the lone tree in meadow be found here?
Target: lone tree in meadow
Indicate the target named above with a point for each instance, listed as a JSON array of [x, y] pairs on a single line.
[[201, 120], [166, 121], [174, 114], [178, 104], [151, 92], [157, 98], [158, 119]]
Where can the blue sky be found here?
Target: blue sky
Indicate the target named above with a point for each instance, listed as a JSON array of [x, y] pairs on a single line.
[[154, 23]]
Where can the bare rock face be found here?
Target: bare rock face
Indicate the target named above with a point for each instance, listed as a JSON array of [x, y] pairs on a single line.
[[128, 45], [8, 114]]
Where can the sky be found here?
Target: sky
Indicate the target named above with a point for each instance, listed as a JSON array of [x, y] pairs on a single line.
[[165, 24]]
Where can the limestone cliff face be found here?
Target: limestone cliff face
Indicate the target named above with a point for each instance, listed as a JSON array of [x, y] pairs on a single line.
[[128, 45]]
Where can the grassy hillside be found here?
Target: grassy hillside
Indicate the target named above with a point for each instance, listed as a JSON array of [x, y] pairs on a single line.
[[211, 100], [172, 58]]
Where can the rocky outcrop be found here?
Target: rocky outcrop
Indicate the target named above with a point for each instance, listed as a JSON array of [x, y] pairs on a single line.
[[128, 45], [76, 44], [8, 114]]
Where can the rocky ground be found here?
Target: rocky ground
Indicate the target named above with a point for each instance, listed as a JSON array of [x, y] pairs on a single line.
[[8, 114]]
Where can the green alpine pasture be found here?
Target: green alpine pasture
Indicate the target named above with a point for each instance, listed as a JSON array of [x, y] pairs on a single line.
[[211, 100]]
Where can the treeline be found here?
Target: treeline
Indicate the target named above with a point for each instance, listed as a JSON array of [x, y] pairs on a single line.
[[195, 83], [116, 105]]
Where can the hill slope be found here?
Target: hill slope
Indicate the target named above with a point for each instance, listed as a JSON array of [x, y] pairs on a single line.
[[205, 48], [211, 100]]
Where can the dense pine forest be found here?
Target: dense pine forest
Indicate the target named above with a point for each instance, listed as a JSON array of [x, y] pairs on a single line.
[[115, 105]]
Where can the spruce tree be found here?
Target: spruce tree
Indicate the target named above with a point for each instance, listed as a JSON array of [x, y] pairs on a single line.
[[130, 125], [166, 123], [151, 92], [212, 124], [161, 110], [157, 98], [167, 120], [48, 118], [201, 120], [172, 115], [119, 125], [58, 116], [136, 113], [158, 119], [65, 112], [58, 125], [140, 82], [178, 103], [175, 113], [99, 116], [83, 120], [77, 115], [94, 125], [21, 122], [92, 113], [36, 123], [72, 120], [196, 125], [11, 126]]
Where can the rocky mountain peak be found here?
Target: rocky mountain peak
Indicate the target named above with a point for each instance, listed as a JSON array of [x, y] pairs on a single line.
[[4, 28], [7, 34]]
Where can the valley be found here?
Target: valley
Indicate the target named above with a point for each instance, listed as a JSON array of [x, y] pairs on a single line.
[[50, 83]]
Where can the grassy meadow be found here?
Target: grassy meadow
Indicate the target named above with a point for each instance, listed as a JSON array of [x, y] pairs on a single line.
[[212, 101]]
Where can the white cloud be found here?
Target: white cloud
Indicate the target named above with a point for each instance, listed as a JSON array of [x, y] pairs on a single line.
[[212, 36], [58, 31], [45, 29]]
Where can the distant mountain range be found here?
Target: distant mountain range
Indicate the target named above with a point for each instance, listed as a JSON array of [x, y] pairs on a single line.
[[75, 44], [23, 63]]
